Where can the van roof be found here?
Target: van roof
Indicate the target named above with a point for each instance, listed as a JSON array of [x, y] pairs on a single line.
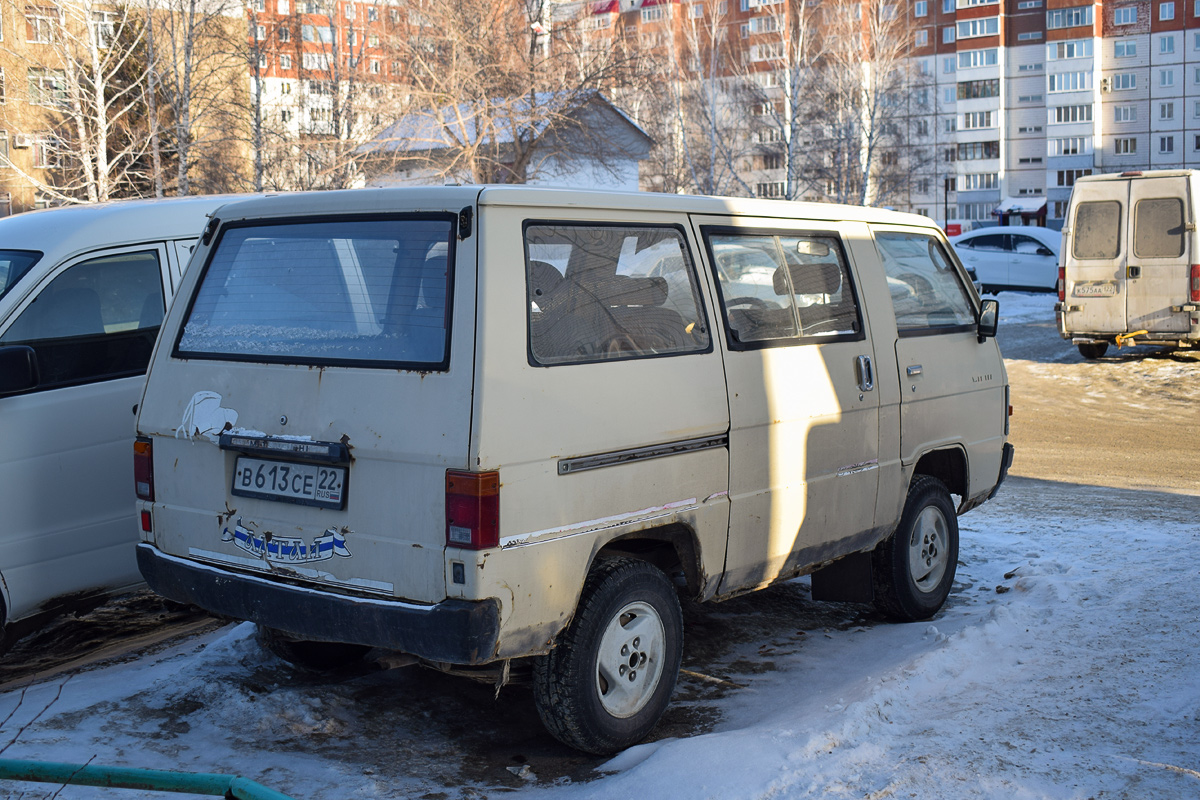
[[448, 197], [1144, 173], [61, 232]]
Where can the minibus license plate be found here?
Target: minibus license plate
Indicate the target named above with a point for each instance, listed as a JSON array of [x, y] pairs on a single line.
[[307, 484]]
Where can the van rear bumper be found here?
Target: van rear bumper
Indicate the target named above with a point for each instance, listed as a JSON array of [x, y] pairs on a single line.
[[453, 631]]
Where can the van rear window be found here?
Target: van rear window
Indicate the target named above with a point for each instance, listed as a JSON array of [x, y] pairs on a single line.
[[1097, 230], [328, 292]]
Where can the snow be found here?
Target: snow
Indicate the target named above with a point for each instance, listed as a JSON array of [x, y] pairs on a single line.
[[1062, 667]]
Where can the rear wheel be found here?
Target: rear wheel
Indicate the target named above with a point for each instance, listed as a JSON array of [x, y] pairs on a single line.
[[609, 679], [913, 569], [1093, 350], [315, 656]]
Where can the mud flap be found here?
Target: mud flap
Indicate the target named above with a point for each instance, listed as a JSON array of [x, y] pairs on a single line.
[[847, 580]]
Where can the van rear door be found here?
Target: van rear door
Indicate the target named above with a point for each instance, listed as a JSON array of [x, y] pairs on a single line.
[[311, 390], [1156, 275], [1094, 254]]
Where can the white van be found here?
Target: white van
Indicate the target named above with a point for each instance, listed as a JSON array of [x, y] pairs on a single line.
[[1129, 268], [502, 428], [82, 294]]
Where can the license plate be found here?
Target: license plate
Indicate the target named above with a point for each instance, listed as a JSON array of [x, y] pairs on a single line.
[[307, 484], [1095, 290]]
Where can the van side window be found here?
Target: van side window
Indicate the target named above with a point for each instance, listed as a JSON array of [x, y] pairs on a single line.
[[598, 292], [779, 288], [1097, 230], [927, 293], [95, 321], [1158, 228]]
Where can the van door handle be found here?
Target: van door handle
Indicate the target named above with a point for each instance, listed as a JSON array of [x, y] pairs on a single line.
[[1133, 272], [866, 373], [915, 369]]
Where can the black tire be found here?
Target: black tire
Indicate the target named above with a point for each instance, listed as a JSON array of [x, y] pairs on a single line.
[[628, 621], [313, 656], [913, 569], [1094, 350]]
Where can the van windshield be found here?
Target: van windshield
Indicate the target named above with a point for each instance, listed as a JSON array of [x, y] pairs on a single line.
[[13, 266], [327, 292]]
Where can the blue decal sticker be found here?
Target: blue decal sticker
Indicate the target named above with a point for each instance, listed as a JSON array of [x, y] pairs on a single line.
[[285, 549]]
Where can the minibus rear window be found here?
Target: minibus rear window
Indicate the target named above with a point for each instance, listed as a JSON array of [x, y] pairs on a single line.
[[327, 292]]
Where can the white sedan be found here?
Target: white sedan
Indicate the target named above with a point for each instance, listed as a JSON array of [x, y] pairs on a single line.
[[1017, 257]]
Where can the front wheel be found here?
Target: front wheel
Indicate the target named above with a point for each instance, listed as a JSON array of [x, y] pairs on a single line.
[[913, 569], [609, 679], [1093, 350]]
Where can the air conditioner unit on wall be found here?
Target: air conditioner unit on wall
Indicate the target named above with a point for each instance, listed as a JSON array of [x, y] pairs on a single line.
[[1106, 84], [23, 140]]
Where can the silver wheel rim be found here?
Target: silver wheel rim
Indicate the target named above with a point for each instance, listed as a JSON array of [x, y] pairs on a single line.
[[630, 660], [928, 549]]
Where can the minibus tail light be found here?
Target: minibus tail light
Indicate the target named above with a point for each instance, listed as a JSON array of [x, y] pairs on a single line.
[[143, 468], [1062, 284], [1194, 283], [472, 509]]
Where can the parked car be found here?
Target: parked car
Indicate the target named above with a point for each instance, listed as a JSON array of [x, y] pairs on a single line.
[[1129, 270], [82, 294], [497, 430], [1011, 257]]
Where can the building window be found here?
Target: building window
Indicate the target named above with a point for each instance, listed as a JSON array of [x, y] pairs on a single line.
[[1166, 11], [1166, 111], [947, 6], [1125, 147], [948, 64], [1027, 4], [1067, 177], [1069, 17], [771, 189], [1125, 49], [1030, 98], [1071, 146], [1125, 114], [283, 34], [948, 94], [653, 14], [1070, 48], [285, 62], [1166, 144], [969, 90], [978, 180], [348, 9], [949, 155], [1166, 45], [921, 38], [1166, 77], [1124, 81], [1125, 15], [2, 86], [372, 14], [1195, 142], [973, 120], [973, 28], [376, 67], [1069, 82], [1196, 109], [979, 58], [285, 115], [1032, 36], [1030, 129], [260, 32], [1066, 114], [948, 125], [285, 7], [39, 23], [1030, 67], [921, 8], [947, 35], [47, 87], [973, 151]]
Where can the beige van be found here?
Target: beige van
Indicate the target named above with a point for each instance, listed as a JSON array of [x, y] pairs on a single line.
[[503, 429], [1129, 268]]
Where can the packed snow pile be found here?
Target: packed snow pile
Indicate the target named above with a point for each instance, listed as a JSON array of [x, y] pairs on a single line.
[[1064, 666]]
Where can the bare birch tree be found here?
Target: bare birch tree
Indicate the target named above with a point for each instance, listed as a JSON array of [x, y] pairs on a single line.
[[90, 89]]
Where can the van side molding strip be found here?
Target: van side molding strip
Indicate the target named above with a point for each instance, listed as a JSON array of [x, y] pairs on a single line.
[[568, 466]]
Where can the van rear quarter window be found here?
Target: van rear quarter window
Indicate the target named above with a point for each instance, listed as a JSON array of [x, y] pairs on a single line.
[[1097, 230], [608, 292], [927, 292], [354, 291]]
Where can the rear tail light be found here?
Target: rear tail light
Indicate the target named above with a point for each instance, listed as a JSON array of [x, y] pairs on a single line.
[[1194, 284], [143, 468], [472, 509], [1062, 284]]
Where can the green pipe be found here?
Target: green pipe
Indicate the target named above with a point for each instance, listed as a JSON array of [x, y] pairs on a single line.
[[160, 780]]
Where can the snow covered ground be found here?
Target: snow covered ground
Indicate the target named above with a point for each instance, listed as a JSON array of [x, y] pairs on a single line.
[[1063, 667]]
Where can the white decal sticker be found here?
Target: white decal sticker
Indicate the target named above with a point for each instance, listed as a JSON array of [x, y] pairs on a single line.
[[286, 549], [205, 416]]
